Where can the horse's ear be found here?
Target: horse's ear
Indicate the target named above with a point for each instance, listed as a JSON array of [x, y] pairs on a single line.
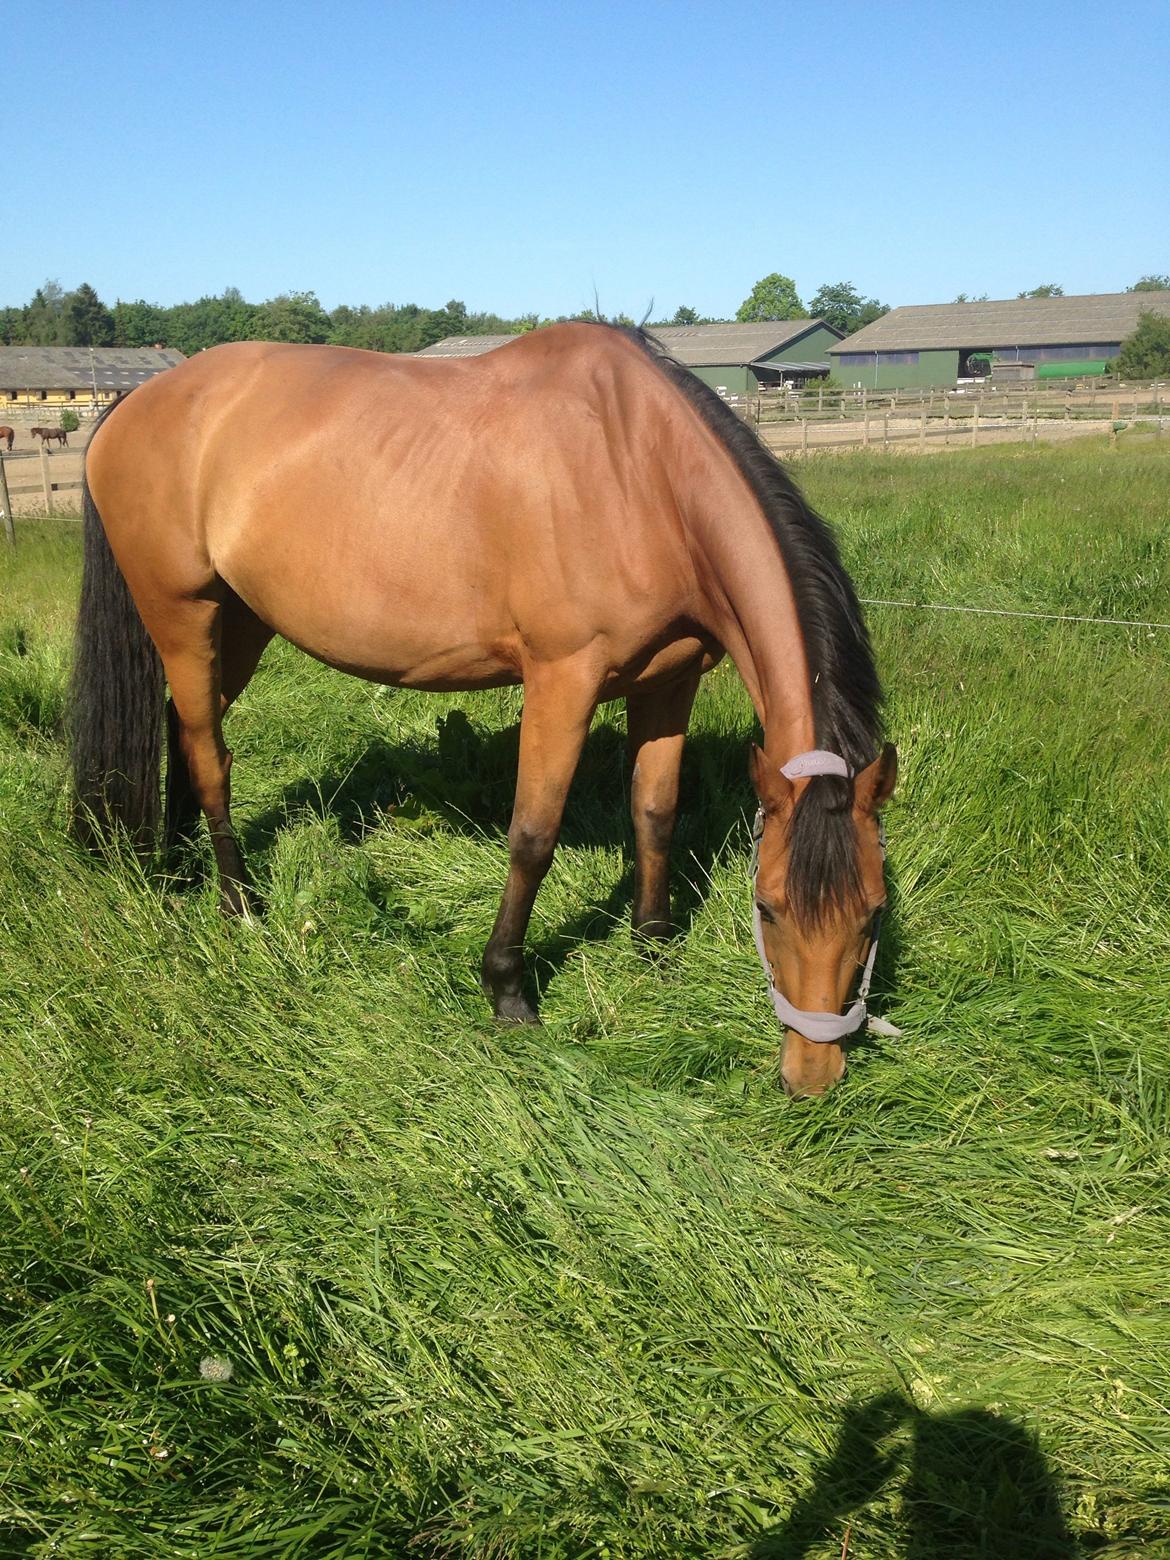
[[773, 788], [874, 786]]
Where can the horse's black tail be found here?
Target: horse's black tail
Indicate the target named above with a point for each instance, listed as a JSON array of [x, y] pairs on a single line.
[[116, 704]]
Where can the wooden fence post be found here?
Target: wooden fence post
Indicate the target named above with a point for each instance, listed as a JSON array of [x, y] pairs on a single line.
[[922, 432], [975, 425], [865, 429], [804, 435], [885, 430], [46, 483], [6, 505], [946, 421]]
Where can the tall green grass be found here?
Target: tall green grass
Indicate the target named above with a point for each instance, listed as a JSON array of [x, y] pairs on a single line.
[[300, 1255]]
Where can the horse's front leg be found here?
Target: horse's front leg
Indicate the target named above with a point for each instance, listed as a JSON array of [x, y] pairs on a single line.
[[559, 701], [657, 723]]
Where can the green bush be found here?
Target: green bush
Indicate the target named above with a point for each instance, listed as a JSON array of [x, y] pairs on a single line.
[[1146, 353], [69, 420]]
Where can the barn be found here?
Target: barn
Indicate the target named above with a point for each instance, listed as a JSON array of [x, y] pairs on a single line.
[[935, 344], [733, 358], [740, 359], [63, 376]]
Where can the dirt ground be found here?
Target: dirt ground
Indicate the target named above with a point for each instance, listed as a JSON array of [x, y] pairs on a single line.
[[905, 435], [23, 466]]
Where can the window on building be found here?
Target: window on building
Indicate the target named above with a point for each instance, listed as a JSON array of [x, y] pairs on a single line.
[[1082, 352], [882, 359]]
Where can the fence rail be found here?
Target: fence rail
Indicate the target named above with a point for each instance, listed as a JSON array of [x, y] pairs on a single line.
[[46, 487]]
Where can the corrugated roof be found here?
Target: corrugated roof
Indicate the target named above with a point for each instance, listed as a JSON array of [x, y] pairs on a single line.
[[463, 346], [73, 368], [733, 344], [695, 345], [1022, 322]]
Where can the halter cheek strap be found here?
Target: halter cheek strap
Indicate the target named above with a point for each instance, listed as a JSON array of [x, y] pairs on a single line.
[[822, 1028]]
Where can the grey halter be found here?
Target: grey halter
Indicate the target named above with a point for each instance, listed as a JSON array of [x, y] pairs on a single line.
[[823, 1028]]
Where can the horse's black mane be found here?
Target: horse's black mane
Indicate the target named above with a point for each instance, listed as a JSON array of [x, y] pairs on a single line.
[[846, 694]]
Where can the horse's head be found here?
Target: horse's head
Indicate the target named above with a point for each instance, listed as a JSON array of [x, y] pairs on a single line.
[[819, 884]]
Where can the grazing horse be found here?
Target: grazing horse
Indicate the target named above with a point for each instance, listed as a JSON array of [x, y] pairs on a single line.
[[6, 436], [46, 435], [573, 511]]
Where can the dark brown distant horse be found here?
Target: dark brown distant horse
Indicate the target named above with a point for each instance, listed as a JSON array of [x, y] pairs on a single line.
[[47, 435], [6, 436], [574, 512]]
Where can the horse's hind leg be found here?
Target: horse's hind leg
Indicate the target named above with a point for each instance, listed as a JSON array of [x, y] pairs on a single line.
[[189, 642], [657, 724], [559, 701], [242, 641]]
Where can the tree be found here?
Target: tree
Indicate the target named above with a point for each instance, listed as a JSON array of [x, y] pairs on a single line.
[[774, 297], [1145, 354], [1151, 283], [292, 317], [139, 324], [88, 323], [1045, 290], [966, 298], [840, 304], [44, 317], [684, 315], [208, 321]]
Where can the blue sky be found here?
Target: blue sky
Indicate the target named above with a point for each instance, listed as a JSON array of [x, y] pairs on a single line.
[[518, 156]]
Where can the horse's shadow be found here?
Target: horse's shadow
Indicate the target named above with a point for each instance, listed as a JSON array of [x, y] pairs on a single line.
[[973, 1484], [467, 776]]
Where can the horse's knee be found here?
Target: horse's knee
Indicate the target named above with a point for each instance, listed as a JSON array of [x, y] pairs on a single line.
[[531, 847], [654, 825]]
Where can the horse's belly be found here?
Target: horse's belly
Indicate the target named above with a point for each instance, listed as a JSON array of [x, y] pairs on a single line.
[[412, 631]]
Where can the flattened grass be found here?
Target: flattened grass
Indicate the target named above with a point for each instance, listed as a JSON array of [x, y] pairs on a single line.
[[300, 1255]]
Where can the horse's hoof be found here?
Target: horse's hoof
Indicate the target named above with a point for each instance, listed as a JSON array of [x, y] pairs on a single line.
[[515, 1009], [651, 936]]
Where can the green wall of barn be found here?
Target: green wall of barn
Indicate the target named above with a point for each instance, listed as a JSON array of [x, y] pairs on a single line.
[[933, 368]]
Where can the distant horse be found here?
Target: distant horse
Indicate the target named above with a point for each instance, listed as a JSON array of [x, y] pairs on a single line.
[[6, 436], [47, 435], [573, 511]]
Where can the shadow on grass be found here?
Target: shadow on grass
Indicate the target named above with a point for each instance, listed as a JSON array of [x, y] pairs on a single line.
[[467, 776], [974, 1486]]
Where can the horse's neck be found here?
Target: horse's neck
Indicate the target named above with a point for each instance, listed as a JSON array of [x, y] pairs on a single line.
[[753, 606]]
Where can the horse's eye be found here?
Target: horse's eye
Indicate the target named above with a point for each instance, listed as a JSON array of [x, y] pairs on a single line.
[[765, 912]]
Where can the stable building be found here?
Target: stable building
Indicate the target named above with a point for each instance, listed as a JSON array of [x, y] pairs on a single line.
[[738, 359], [63, 376], [735, 359], [936, 344]]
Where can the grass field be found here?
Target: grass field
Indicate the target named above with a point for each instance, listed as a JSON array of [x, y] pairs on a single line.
[[301, 1256]]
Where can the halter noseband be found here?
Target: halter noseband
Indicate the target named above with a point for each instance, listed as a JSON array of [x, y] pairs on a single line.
[[823, 1028]]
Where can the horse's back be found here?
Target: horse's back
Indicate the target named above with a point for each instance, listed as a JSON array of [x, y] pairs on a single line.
[[426, 520]]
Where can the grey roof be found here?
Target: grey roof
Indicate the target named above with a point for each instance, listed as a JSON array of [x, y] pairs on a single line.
[[462, 346], [733, 344], [76, 368], [1013, 322], [695, 345]]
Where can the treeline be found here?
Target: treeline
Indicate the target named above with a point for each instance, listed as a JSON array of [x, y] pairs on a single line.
[[56, 318]]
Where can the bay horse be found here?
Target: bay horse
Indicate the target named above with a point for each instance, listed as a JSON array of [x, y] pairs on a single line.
[[573, 511], [47, 435], [7, 435]]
